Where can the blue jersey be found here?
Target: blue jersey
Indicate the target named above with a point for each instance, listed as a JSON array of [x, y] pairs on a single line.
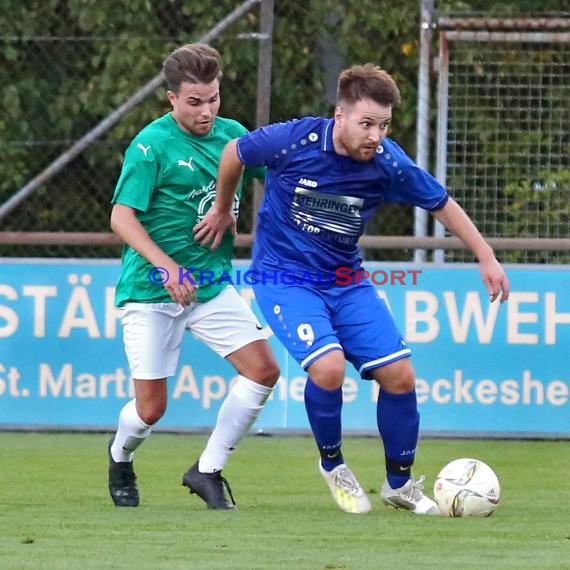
[[317, 202]]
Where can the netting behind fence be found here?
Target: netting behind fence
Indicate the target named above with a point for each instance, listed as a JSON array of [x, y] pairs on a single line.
[[508, 138], [56, 77], [64, 70]]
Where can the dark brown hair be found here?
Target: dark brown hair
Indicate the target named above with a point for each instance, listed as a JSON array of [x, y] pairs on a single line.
[[367, 81], [193, 63]]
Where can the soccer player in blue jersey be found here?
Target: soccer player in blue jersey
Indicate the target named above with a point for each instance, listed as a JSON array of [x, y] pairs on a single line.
[[325, 178]]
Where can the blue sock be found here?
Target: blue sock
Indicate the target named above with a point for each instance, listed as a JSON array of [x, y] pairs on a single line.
[[324, 409], [398, 424]]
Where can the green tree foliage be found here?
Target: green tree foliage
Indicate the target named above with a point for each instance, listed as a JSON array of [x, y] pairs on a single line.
[[545, 201], [66, 64]]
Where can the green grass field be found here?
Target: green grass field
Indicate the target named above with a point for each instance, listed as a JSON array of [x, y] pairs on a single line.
[[55, 511]]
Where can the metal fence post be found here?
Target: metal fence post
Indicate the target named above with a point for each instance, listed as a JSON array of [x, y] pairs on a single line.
[[263, 85], [422, 129]]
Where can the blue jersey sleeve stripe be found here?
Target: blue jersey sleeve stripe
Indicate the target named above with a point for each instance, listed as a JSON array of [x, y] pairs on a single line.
[[440, 204]]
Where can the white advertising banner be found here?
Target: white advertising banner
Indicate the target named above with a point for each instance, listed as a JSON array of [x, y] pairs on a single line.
[[482, 368]]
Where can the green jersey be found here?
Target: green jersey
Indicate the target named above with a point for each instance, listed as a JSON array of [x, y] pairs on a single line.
[[169, 178]]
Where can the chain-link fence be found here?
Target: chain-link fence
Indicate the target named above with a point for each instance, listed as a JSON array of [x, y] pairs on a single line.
[[504, 110], [64, 83], [66, 67]]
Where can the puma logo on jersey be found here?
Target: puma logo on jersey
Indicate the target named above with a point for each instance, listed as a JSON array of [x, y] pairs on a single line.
[[145, 149], [188, 164]]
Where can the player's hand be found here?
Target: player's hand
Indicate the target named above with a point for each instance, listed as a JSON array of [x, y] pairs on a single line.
[[495, 279], [212, 228], [181, 291]]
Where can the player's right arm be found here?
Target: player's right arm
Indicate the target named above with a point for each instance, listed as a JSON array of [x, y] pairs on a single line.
[[126, 225], [455, 219], [220, 216], [133, 194], [261, 147]]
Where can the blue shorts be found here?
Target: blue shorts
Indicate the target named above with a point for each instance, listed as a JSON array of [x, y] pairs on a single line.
[[310, 322]]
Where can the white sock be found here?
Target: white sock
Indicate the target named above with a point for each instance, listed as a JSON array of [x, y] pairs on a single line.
[[238, 412], [132, 431]]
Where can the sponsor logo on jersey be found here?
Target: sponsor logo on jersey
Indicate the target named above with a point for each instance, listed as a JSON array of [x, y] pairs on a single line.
[[145, 149], [308, 182], [188, 164], [195, 192], [331, 216]]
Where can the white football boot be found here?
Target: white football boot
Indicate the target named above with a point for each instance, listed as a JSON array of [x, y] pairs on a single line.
[[409, 497], [346, 490]]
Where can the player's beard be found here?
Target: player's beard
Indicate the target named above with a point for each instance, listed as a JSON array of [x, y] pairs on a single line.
[[361, 150], [362, 153], [367, 152]]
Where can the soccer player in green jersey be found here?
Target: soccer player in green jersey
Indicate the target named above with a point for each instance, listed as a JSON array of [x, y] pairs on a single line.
[[167, 184]]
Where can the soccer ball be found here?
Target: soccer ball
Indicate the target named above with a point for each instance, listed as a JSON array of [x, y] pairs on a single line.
[[467, 488]]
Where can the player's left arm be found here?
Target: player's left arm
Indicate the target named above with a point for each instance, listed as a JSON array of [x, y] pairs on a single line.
[[454, 218]]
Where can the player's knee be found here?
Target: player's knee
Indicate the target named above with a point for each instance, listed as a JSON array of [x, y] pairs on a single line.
[[407, 382], [151, 412], [397, 377], [335, 373], [328, 373], [272, 373], [266, 373], [404, 383]]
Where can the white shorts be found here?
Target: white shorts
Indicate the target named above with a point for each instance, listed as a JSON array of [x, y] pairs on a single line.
[[153, 332]]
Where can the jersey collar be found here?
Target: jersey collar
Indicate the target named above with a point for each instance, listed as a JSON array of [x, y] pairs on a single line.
[[326, 136]]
